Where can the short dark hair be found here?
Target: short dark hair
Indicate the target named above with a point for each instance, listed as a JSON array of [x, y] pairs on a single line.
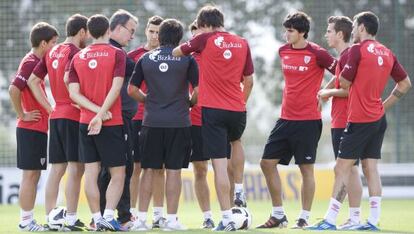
[[121, 17], [155, 20], [299, 21], [210, 16], [75, 23], [171, 32], [97, 25], [193, 26], [42, 31], [342, 24], [369, 20]]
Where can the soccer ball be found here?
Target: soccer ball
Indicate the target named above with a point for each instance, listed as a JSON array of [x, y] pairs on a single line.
[[57, 218], [241, 217]]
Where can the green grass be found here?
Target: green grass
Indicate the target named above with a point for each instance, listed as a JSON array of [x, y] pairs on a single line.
[[397, 216]]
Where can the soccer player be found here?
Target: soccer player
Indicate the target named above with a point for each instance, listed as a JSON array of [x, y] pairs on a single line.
[[32, 124], [338, 35], [226, 65], [95, 80], [151, 33], [64, 120], [122, 26], [298, 130], [200, 163], [165, 133], [366, 74]]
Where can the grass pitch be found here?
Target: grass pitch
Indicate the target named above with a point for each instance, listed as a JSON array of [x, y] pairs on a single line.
[[397, 216]]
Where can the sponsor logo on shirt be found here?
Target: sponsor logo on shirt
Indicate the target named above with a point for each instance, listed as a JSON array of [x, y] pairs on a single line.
[[55, 64], [294, 68], [227, 54], [163, 67], [20, 77], [222, 44], [156, 56], [54, 54], [92, 64], [85, 54]]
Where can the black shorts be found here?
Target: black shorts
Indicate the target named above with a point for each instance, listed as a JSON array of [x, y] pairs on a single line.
[[165, 147], [63, 141], [219, 128], [31, 149], [108, 147], [197, 145], [290, 138], [337, 134], [136, 129], [363, 140]]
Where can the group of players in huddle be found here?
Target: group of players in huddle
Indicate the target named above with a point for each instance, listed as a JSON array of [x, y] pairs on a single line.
[[192, 108]]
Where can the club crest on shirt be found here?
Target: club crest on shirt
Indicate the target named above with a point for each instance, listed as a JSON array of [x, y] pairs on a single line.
[[306, 59]]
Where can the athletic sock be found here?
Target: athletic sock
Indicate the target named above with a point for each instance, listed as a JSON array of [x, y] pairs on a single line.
[[333, 211], [278, 212], [355, 214], [375, 210], [26, 217], [109, 214], [71, 218], [304, 214], [158, 212], [226, 217], [238, 188], [207, 214]]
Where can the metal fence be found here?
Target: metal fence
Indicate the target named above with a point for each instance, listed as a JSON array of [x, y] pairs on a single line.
[[257, 20]]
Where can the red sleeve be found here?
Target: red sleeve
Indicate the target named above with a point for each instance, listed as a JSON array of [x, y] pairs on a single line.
[[248, 66], [325, 60], [350, 69], [120, 63], [41, 69], [197, 44], [73, 75], [23, 74], [398, 72]]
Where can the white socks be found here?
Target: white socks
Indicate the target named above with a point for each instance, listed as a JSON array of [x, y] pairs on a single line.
[[332, 211], [26, 217], [142, 216], [71, 218], [355, 214], [375, 210], [226, 217], [172, 218], [238, 188], [96, 217], [278, 212], [158, 212], [304, 214], [207, 214], [109, 214]]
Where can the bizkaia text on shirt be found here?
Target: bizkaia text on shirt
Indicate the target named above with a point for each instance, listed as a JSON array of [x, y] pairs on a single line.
[[220, 43], [155, 56], [85, 55]]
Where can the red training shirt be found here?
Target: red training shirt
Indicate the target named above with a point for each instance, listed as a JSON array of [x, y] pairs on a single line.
[[339, 104], [136, 55], [94, 69]]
